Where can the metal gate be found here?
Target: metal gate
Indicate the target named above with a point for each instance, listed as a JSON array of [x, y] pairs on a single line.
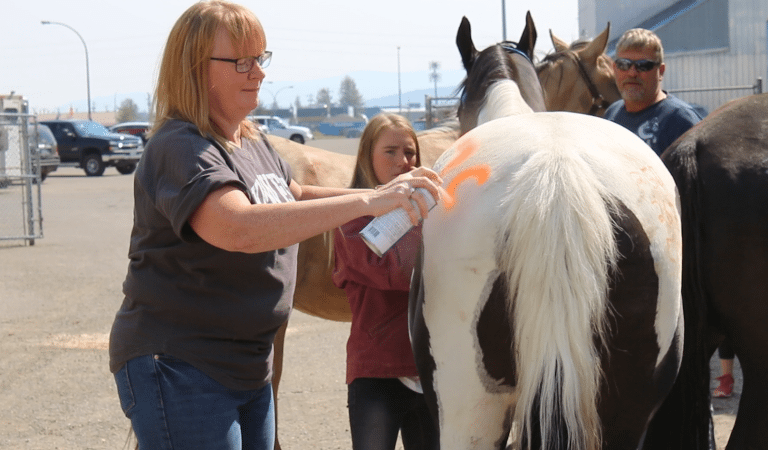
[[20, 197], [439, 109], [713, 97]]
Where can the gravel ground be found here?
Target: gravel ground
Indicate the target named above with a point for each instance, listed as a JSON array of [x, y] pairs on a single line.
[[57, 301]]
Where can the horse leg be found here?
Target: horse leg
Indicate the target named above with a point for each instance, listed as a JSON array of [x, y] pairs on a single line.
[[278, 372], [472, 403], [750, 431], [646, 335]]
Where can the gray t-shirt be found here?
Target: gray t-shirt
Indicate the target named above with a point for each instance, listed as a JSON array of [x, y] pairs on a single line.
[[214, 309]]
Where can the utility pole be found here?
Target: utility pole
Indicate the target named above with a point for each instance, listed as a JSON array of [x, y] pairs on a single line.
[[399, 92], [434, 66]]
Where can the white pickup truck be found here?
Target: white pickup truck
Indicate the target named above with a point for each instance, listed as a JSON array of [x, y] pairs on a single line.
[[275, 125]]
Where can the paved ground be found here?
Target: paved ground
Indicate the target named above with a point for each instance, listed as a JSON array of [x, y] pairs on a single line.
[[57, 302]]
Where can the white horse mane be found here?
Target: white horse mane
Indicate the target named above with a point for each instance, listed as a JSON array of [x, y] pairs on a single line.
[[502, 99]]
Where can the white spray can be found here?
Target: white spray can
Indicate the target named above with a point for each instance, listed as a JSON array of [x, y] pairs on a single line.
[[384, 231]]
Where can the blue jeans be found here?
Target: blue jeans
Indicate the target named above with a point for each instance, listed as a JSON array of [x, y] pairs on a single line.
[[172, 405], [379, 408]]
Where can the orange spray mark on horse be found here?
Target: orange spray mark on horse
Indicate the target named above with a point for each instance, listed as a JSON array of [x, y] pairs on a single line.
[[467, 146]]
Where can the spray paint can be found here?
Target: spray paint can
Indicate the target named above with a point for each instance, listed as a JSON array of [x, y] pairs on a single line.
[[384, 231]]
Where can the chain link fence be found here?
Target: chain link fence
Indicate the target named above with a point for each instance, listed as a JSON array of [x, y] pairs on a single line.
[[20, 184]]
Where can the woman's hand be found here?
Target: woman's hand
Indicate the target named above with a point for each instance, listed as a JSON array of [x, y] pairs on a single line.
[[399, 192]]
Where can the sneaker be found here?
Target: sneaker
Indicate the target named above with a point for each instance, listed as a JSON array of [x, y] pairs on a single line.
[[725, 389]]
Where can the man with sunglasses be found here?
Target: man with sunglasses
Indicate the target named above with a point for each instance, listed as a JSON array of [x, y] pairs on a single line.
[[657, 117]]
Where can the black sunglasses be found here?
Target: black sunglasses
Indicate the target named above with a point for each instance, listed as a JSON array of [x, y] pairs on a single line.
[[244, 65], [642, 65]]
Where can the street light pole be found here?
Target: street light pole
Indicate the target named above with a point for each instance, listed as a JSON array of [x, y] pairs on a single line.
[[503, 20], [274, 97], [87, 69], [399, 92]]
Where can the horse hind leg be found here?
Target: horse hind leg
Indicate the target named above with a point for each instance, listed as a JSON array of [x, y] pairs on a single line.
[[474, 407]]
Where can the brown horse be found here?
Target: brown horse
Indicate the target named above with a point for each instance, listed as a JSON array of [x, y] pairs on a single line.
[[315, 293], [579, 77]]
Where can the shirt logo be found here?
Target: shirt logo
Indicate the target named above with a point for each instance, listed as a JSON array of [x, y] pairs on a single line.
[[270, 188], [648, 131]]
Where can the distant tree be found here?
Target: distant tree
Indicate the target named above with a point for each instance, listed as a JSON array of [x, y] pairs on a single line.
[[260, 111], [127, 112], [324, 97], [297, 103], [311, 100], [349, 94]]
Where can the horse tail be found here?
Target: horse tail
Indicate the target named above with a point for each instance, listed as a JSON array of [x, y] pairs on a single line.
[[557, 251], [684, 419]]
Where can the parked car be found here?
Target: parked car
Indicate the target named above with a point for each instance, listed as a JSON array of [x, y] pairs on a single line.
[[42, 142], [278, 127], [90, 146], [139, 129]]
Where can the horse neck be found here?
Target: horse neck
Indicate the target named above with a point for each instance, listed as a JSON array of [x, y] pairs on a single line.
[[503, 99], [559, 83]]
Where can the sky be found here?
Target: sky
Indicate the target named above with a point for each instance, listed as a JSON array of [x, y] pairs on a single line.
[[380, 45]]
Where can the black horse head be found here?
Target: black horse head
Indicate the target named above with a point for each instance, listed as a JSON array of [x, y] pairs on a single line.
[[503, 61]]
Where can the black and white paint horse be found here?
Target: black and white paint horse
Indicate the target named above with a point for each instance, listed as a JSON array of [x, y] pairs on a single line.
[[546, 305], [721, 170]]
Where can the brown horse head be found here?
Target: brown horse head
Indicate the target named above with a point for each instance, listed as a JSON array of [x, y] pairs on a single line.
[[579, 77]]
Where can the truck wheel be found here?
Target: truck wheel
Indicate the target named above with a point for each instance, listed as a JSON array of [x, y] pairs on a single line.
[[297, 138], [93, 165], [126, 169]]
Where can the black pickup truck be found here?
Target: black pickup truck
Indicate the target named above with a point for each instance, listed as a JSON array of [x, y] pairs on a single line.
[[92, 147]]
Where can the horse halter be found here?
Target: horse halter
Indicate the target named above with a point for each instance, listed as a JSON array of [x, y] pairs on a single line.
[[598, 102], [511, 47]]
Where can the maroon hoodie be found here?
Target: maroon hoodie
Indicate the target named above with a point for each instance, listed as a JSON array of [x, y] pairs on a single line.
[[377, 291]]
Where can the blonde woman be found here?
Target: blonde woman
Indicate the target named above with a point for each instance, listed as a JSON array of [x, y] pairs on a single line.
[[213, 248], [384, 393]]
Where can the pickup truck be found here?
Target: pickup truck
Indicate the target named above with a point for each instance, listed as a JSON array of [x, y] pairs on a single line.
[[275, 125], [90, 146]]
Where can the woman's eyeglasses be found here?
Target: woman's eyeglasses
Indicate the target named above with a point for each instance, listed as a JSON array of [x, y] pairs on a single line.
[[244, 65], [642, 65]]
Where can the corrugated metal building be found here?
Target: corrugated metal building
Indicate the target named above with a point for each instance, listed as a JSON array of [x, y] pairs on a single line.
[[711, 44]]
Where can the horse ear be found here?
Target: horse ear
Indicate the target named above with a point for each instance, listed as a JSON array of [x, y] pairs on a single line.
[[528, 40], [464, 42], [559, 44], [594, 49]]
